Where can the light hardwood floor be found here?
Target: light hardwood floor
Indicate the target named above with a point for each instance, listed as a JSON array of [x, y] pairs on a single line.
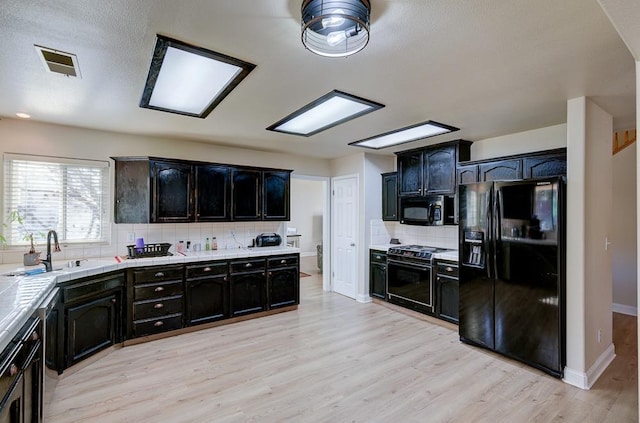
[[335, 360]]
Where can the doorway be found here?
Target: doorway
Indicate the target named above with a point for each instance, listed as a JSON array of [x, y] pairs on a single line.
[[344, 235]]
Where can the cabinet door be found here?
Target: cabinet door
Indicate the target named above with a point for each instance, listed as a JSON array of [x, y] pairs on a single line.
[[410, 173], [32, 397], [283, 286], [172, 184], [247, 292], [440, 171], [448, 298], [207, 299], [390, 196], [132, 191], [275, 195], [245, 194], [504, 170], [545, 166], [467, 174], [378, 280], [91, 327], [213, 193]]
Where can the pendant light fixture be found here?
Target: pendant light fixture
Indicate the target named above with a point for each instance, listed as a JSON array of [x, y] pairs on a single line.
[[335, 28]]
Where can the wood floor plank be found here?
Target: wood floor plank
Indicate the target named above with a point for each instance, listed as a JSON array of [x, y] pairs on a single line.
[[335, 360]]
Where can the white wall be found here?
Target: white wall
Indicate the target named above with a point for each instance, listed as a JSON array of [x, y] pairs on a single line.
[[306, 212], [624, 250], [523, 142], [589, 280]]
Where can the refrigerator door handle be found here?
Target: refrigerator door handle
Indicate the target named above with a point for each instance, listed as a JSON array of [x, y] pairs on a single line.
[[497, 232], [487, 257]]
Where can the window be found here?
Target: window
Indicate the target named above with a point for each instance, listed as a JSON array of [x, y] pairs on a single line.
[[67, 195]]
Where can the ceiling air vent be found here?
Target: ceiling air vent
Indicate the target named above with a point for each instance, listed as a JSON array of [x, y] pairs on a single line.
[[56, 61]]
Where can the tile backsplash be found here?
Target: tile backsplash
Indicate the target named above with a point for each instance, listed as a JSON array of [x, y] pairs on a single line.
[[433, 236], [229, 235]]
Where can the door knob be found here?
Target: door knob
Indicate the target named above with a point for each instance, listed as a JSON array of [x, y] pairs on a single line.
[[352, 245]]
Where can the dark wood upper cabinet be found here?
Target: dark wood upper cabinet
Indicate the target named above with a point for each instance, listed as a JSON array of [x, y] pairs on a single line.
[[172, 185], [467, 174], [431, 170], [213, 193], [246, 194], [154, 190], [275, 194], [539, 164], [503, 170], [390, 196], [410, 173], [545, 166]]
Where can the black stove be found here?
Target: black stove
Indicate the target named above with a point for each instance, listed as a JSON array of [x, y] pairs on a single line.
[[414, 252]]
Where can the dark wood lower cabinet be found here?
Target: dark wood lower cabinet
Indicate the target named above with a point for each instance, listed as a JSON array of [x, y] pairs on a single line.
[[207, 293], [447, 291], [283, 281], [378, 274], [247, 284], [92, 327]]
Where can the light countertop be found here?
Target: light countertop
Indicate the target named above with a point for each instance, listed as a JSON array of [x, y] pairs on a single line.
[[21, 296]]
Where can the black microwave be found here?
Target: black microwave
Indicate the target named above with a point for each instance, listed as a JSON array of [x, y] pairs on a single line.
[[433, 210]]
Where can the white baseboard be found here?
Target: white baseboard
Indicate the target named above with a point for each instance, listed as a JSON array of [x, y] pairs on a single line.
[[363, 298], [624, 309], [308, 254], [586, 380]]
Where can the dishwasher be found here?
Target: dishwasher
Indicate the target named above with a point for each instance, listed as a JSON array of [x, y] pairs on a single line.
[[49, 314]]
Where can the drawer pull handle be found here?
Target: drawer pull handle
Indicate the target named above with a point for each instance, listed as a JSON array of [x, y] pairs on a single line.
[[248, 265], [158, 324], [159, 289], [206, 269], [449, 269], [159, 305], [159, 274], [283, 261]]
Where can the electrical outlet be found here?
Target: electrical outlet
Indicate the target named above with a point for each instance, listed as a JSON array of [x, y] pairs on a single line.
[[599, 336], [131, 237]]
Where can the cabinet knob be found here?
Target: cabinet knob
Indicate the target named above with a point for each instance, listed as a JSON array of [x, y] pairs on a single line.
[[449, 269], [225, 279], [158, 324], [206, 269], [283, 261], [158, 306], [13, 370], [113, 300], [159, 289], [34, 336], [159, 275], [248, 265], [270, 274]]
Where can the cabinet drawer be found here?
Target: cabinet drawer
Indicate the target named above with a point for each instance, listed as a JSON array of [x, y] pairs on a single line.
[[284, 261], [157, 325], [91, 288], [449, 269], [157, 274], [157, 308], [209, 269], [377, 257], [151, 291], [242, 266]]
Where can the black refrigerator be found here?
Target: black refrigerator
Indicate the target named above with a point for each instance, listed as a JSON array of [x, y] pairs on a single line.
[[512, 270]]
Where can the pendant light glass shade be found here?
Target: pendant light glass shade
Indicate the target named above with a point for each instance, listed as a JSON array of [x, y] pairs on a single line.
[[335, 28]]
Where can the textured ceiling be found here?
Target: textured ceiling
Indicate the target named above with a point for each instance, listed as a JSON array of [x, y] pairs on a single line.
[[489, 67]]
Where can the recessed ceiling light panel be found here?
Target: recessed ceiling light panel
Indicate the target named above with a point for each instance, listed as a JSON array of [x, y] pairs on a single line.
[[404, 135], [327, 111], [190, 80]]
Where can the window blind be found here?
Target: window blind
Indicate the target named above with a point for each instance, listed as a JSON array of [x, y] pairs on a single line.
[[69, 196]]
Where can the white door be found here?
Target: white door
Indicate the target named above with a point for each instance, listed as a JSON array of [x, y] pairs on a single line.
[[344, 257]]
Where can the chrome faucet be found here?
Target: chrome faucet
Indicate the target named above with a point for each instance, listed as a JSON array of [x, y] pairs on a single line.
[[56, 248]]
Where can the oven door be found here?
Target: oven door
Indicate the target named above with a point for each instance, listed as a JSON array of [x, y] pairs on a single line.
[[409, 284]]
